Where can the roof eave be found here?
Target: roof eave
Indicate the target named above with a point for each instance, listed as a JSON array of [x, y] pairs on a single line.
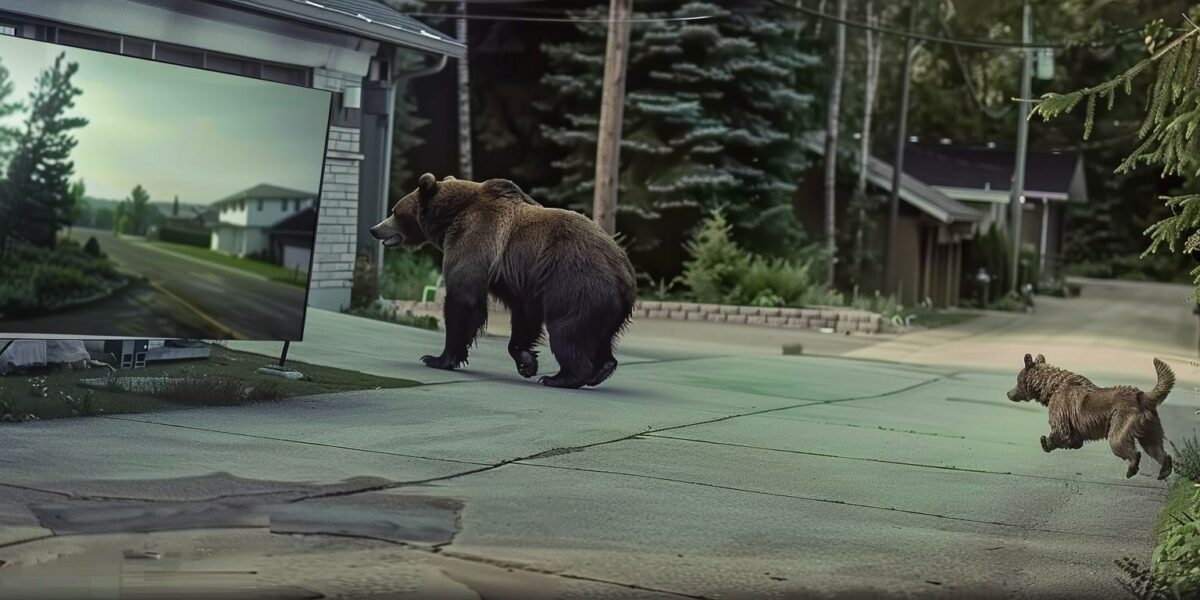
[[313, 13]]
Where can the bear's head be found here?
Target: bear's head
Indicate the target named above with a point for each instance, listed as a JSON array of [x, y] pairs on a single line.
[[404, 225]]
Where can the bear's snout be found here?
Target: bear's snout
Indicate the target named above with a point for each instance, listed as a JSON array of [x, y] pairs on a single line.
[[389, 235]]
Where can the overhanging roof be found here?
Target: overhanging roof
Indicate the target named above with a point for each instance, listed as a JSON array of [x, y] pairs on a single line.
[[370, 19], [919, 194]]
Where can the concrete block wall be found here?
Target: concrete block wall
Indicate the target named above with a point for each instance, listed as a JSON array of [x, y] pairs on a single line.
[[841, 320], [337, 215]]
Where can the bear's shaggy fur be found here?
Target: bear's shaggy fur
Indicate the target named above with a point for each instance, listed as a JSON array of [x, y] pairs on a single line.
[[549, 266], [1081, 411]]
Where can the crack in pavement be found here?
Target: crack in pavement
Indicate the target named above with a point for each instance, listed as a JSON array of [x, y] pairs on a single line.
[[104, 498], [830, 501], [291, 441], [908, 464], [579, 448]]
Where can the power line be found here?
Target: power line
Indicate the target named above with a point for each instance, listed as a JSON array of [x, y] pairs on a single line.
[[969, 42]]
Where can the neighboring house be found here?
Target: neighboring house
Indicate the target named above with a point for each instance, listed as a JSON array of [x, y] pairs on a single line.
[[981, 177], [930, 233], [349, 47], [243, 219], [290, 241]]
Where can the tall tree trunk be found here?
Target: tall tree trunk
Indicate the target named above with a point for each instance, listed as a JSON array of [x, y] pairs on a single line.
[[464, 101], [832, 121], [612, 106], [874, 48]]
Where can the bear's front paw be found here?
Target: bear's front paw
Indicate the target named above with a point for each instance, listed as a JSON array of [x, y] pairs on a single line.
[[527, 364], [440, 362], [1046, 444]]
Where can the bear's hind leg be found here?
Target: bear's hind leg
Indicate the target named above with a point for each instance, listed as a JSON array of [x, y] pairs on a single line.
[[605, 362], [572, 348], [526, 333]]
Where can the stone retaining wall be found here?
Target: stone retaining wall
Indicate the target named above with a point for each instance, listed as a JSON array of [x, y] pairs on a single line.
[[841, 320]]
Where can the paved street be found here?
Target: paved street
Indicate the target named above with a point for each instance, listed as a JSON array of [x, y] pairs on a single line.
[[180, 296], [692, 473]]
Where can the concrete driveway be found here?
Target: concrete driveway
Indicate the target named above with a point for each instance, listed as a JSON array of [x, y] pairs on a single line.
[[689, 474]]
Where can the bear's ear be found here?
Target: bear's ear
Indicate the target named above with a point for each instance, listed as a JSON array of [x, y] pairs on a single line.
[[1041, 360], [1028, 361], [427, 185]]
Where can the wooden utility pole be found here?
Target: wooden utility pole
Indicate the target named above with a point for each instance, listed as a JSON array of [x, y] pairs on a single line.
[[1018, 184], [612, 109], [889, 267], [464, 100]]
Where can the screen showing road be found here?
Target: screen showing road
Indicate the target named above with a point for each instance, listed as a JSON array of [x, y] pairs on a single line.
[[144, 199]]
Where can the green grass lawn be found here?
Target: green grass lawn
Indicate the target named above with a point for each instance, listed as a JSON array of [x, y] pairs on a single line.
[[272, 272], [202, 383]]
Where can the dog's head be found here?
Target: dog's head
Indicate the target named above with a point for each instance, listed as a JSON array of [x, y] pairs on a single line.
[[1025, 391]]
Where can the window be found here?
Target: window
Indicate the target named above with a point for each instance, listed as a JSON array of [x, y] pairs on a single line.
[[178, 55], [282, 74], [90, 41], [260, 205], [231, 65], [297, 204], [138, 48]]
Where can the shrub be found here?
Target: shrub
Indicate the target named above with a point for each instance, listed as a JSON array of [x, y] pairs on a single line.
[[406, 274], [92, 248], [1187, 458], [716, 264], [364, 288], [393, 315]]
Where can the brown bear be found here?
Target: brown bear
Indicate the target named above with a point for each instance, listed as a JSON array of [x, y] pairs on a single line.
[[549, 266]]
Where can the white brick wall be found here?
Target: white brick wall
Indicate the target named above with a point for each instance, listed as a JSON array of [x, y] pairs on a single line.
[[337, 218]]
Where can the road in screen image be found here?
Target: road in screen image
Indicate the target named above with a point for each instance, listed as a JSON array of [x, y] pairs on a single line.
[[177, 296]]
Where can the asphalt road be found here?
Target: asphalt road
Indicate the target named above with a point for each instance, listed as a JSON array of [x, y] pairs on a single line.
[[181, 297], [736, 475]]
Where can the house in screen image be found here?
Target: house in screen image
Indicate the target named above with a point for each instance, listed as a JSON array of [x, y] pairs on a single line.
[[290, 241], [245, 219]]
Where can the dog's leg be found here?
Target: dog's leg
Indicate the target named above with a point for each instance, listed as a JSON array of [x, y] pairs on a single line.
[[1057, 439], [1121, 439], [1151, 441]]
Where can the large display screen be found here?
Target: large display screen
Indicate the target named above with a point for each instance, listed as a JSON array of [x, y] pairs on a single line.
[[144, 199]]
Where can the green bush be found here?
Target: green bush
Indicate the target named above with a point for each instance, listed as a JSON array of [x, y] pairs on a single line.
[[719, 271], [364, 288], [187, 237], [716, 265], [34, 280], [406, 273]]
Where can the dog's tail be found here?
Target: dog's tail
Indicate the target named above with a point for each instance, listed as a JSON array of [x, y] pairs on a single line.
[[1166, 381]]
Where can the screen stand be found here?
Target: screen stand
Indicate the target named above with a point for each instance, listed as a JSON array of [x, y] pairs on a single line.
[[281, 369]]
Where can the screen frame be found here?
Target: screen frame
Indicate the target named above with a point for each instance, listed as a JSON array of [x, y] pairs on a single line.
[[329, 101]]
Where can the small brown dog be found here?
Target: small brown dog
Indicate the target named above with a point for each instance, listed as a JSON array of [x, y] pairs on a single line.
[[1081, 411]]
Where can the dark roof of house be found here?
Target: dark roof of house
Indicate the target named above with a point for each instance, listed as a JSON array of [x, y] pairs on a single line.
[[988, 168], [304, 222], [367, 18], [913, 190], [263, 191]]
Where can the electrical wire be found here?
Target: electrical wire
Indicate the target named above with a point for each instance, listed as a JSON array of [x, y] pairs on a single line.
[[969, 42]]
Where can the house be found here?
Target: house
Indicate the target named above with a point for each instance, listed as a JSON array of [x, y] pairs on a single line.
[[981, 177], [931, 229], [245, 218], [290, 241], [349, 47]]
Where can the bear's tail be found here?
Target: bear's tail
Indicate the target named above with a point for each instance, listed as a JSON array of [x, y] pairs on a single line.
[[1166, 381]]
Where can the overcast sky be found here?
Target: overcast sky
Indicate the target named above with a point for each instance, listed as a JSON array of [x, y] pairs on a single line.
[[177, 130]]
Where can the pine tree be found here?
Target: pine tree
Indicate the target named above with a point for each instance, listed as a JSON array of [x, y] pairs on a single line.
[[712, 120], [1167, 137], [36, 196], [137, 210]]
